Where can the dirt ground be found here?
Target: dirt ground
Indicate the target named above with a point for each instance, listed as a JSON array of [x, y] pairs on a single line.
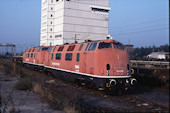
[[20, 101]]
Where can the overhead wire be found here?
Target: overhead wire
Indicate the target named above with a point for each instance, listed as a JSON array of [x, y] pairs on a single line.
[[146, 22], [141, 31]]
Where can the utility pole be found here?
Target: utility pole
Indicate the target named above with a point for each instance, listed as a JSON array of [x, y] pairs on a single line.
[[75, 39], [14, 50]]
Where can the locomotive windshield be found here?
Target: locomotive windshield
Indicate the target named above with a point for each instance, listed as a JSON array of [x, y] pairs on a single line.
[[103, 45], [118, 46]]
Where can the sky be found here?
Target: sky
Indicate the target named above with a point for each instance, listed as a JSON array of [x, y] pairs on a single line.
[[137, 22]]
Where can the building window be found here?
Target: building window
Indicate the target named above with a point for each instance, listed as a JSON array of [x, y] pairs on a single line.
[[31, 55], [43, 23], [43, 36], [51, 8], [51, 22], [78, 56], [68, 56], [58, 56], [44, 16], [51, 29], [51, 1], [100, 10], [51, 15], [43, 30], [50, 36], [57, 36]]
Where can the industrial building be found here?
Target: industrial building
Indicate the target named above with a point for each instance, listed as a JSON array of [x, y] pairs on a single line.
[[67, 21]]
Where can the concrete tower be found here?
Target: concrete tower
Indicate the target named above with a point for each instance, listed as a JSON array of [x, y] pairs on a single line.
[[64, 21]]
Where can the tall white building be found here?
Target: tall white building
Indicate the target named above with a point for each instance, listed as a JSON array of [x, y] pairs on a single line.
[[64, 21]]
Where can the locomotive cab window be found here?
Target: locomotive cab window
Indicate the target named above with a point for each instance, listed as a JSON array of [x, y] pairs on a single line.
[[78, 56], [30, 50], [71, 48], [103, 45], [87, 47], [81, 46], [39, 49], [33, 50], [44, 48], [49, 49], [58, 56], [92, 47], [68, 56], [54, 49], [61, 48], [118, 46]]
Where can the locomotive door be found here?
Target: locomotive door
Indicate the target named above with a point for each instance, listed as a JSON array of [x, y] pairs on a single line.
[[84, 62], [48, 62]]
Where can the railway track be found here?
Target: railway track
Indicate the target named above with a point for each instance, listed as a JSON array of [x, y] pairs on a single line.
[[141, 104], [146, 104], [138, 103]]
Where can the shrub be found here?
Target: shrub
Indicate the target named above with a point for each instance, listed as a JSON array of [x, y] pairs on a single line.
[[58, 104], [24, 84]]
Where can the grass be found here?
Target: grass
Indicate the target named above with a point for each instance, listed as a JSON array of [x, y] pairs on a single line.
[[24, 84], [58, 104], [40, 84]]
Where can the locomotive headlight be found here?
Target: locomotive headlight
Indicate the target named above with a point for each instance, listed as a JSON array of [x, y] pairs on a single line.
[[133, 81], [113, 82], [127, 81]]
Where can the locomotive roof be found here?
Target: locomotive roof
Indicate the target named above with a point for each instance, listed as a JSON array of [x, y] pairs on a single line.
[[91, 41], [107, 40]]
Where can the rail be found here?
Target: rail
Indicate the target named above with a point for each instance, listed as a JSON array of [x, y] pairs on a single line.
[[149, 64]]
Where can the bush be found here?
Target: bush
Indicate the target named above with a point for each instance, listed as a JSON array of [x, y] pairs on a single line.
[[24, 84], [58, 104]]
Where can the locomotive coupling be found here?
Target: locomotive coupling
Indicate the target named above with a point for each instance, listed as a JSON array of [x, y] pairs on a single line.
[[133, 81]]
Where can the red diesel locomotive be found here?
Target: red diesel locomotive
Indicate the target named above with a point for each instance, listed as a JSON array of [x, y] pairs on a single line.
[[104, 63]]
